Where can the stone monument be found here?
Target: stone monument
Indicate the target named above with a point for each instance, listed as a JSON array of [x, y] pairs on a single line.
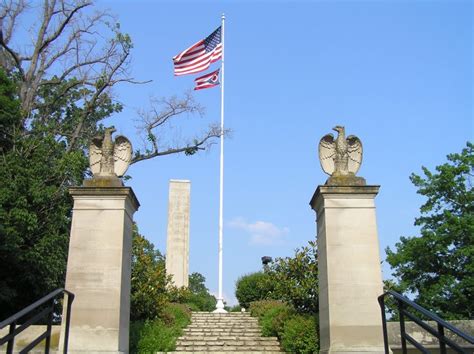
[[100, 247], [177, 243], [350, 276]]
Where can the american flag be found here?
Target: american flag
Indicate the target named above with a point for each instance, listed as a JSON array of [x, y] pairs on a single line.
[[199, 56], [207, 81]]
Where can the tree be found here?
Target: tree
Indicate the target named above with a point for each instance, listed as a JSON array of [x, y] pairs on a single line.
[[295, 279], [34, 207], [291, 279], [149, 284], [54, 92], [197, 283], [437, 267], [253, 287], [68, 73]]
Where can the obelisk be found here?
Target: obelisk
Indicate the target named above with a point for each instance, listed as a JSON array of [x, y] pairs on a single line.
[[177, 243], [350, 276]]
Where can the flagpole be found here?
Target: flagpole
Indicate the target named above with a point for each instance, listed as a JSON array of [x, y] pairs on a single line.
[[220, 299]]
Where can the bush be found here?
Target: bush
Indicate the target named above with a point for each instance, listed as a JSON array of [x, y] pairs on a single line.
[[252, 287], [259, 308], [295, 279], [235, 308], [159, 334], [273, 320], [300, 335]]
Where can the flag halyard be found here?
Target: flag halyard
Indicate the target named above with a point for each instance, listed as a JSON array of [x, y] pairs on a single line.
[[200, 55]]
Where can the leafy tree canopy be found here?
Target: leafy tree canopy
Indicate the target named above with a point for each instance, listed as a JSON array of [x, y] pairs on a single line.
[[290, 279], [149, 284], [295, 279], [438, 266]]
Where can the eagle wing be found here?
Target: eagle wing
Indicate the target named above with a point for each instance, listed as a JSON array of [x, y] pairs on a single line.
[[327, 152], [95, 155], [354, 150], [122, 155]]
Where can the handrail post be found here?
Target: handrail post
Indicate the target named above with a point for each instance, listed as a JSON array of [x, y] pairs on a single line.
[[70, 298], [402, 327], [47, 344], [384, 324], [442, 344], [11, 342]]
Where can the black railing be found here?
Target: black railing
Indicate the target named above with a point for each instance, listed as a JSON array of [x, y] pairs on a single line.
[[41, 310], [438, 331]]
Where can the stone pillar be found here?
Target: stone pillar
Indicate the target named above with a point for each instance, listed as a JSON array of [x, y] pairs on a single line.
[[350, 276], [177, 243], [99, 266]]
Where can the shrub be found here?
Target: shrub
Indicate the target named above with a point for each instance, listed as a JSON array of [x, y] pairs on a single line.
[[274, 319], [259, 308], [252, 287], [295, 279], [300, 335], [235, 308], [160, 334]]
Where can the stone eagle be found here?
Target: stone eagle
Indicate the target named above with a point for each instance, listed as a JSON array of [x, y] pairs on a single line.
[[109, 158], [341, 156]]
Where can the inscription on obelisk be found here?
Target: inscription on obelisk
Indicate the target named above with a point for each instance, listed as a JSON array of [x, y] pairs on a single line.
[[177, 244]]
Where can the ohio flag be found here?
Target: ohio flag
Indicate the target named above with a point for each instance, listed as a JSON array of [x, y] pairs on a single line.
[[207, 81]]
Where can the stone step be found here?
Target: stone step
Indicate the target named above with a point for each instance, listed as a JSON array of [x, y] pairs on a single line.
[[222, 340], [228, 348], [224, 320], [229, 326], [229, 351], [226, 333], [217, 336], [249, 331]]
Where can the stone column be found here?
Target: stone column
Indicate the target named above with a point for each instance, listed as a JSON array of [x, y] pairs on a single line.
[[99, 266], [350, 276], [177, 243]]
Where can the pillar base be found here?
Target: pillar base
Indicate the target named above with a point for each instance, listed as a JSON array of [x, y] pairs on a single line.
[[350, 276], [219, 307], [99, 267]]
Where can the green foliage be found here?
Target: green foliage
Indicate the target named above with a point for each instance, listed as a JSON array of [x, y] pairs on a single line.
[[438, 266], [300, 335], [159, 335], [9, 112], [196, 296], [252, 287], [197, 283], [235, 308], [295, 279], [273, 320], [35, 171], [149, 280], [259, 308], [291, 279], [297, 332]]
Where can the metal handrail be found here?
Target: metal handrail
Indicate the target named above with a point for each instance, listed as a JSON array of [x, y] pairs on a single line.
[[438, 331], [17, 318]]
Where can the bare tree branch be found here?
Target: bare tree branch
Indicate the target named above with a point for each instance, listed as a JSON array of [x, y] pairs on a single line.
[[156, 120], [198, 144]]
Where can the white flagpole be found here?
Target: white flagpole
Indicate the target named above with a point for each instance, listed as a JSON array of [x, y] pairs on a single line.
[[220, 299]]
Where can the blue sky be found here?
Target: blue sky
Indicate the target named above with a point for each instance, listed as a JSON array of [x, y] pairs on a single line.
[[398, 74]]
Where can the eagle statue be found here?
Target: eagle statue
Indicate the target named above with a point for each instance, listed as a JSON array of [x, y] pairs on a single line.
[[342, 156], [110, 158]]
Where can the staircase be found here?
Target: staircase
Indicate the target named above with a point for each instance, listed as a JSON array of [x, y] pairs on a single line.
[[229, 332]]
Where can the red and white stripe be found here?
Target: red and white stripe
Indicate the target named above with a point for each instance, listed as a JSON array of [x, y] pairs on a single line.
[[195, 59]]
